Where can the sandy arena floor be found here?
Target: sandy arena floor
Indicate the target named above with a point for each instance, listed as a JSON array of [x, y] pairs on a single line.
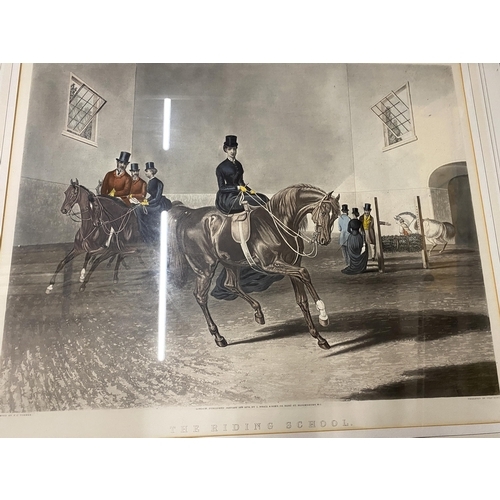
[[404, 333]]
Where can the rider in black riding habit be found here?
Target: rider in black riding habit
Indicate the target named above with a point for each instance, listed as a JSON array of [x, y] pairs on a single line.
[[232, 192], [232, 188]]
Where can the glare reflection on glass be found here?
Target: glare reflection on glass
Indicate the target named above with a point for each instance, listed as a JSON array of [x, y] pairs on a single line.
[[166, 123], [162, 292]]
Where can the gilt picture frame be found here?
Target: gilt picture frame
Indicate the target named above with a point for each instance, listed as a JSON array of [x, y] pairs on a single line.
[[413, 341]]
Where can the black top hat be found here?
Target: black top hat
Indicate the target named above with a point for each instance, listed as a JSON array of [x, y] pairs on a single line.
[[134, 167], [124, 157], [150, 165], [345, 208], [367, 208], [230, 141]]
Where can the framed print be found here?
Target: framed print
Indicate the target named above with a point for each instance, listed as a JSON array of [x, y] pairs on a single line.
[[249, 249]]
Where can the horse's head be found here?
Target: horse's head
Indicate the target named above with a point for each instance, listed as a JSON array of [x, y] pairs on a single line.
[[71, 196], [324, 215]]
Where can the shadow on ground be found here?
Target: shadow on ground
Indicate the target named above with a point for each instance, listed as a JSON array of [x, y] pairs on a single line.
[[475, 379], [384, 326]]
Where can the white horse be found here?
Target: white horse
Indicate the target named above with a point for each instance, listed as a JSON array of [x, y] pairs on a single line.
[[435, 231]]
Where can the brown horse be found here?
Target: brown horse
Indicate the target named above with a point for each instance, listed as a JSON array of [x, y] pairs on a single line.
[[108, 228], [202, 238]]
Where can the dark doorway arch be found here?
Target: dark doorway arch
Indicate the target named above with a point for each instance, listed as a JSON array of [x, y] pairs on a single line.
[[450, 185], [462, 211]]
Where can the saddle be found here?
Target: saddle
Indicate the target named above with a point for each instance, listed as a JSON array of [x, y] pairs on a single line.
[[240, 224]]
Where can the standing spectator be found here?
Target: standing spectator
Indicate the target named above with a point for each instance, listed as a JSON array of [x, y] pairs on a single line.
[[356, 249], [367, 225], [343, 223]]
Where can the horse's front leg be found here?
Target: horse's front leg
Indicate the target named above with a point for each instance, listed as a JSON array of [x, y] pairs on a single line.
[[432, 248], [232, 284], [301, 298], [96, 261], [119, 259], [300, 277], [69, 257], [84, 268], [200, 292], [110, 261], [303, 275]]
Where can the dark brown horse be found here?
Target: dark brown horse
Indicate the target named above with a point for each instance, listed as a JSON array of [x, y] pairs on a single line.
[[202, 238], [108, 228]]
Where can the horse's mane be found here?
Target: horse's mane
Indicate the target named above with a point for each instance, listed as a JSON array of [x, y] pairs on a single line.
[[284, 202], [407, 213], [112, 199], [117, 201]]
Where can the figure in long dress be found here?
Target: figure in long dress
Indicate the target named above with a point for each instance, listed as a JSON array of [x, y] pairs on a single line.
[[232, 191], [356, 248]]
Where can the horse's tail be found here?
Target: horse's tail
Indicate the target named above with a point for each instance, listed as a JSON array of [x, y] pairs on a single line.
[[450, 231], [177, 264]]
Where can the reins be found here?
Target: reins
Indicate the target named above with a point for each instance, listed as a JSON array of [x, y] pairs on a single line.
[[123, 220], [77, 217], [283, 228]]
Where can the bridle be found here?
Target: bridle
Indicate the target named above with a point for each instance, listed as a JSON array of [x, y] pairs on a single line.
[[315, 209], [77, 216]]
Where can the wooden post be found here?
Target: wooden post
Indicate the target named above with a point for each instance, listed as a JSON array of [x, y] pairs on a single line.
[[378, 239], [425, 255]]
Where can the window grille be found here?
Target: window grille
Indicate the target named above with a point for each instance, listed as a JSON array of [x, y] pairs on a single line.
[[395, 112], [83, 106]]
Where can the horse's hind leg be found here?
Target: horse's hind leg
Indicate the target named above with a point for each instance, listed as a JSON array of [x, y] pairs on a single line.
[[120, 260], [232, 284], [301, 298], [201, 290]]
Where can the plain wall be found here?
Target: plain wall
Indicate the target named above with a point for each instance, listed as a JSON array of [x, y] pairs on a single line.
[[398, 175], [52, 159], [292, 123], [296, 123]]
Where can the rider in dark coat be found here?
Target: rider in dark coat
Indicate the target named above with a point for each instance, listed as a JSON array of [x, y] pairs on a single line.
[[232, 188], [155, 203]]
